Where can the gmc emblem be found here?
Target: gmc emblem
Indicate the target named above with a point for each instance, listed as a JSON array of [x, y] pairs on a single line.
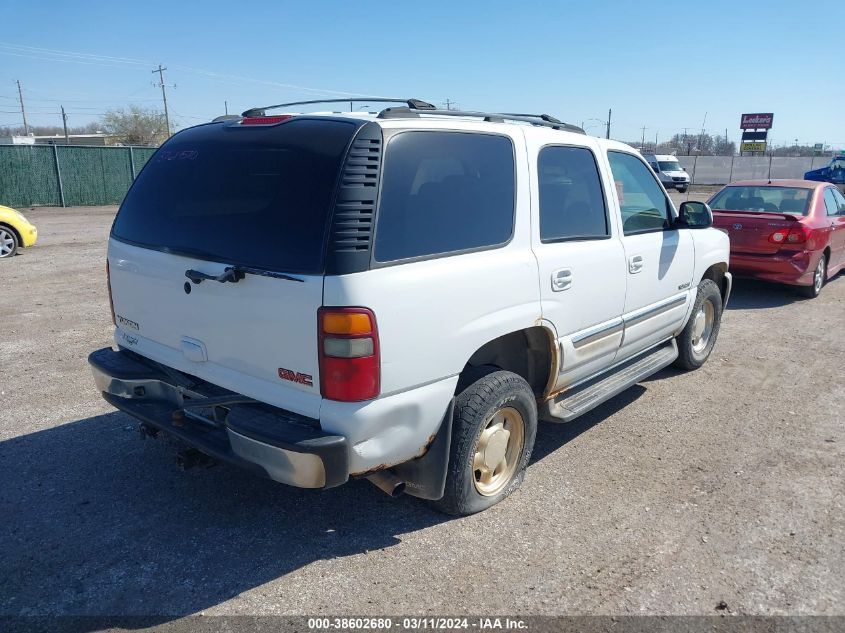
[[296, 376]]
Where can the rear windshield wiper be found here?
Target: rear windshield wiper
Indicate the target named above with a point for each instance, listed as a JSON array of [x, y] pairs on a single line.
[[235, 273]]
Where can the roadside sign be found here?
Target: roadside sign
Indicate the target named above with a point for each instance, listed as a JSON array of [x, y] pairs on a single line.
[[753, 146], [757, 121], [818, 147], [755, 136]]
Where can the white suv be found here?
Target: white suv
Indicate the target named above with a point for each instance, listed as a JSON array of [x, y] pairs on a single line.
[[397, 295]]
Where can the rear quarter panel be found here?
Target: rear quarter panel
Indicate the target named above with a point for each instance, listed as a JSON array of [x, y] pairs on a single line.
[[432, 315]]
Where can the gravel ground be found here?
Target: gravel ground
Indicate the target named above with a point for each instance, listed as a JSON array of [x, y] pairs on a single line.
[[691, 489]]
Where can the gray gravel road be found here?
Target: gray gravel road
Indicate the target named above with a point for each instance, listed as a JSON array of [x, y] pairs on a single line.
[[725, 484]]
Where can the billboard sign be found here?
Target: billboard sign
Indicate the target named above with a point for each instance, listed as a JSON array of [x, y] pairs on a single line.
[[757, 121], [754, 136], [753, 146]]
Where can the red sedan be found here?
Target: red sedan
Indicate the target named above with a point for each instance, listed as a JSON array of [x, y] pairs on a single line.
[[787, 231]]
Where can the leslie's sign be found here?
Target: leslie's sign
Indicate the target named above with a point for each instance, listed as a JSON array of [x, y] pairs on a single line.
[[758, 121]]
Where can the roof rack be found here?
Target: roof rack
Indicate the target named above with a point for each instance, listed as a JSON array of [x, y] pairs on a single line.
[[544, 120], [415, 104]]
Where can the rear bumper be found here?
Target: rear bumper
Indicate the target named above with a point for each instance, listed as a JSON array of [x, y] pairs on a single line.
[[283, 446], [786, 268]]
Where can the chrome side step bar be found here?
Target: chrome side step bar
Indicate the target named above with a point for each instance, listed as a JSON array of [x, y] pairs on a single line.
[[570, 404]]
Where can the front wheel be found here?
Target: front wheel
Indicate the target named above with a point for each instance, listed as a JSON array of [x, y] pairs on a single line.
[[682, 189], [819, 279], [698, 337], [8, 242], [493, 431]]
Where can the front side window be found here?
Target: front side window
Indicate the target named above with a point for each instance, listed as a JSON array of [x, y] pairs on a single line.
[[830, 202], [840, 201], [644, 205], [571, 200], [444, 192]]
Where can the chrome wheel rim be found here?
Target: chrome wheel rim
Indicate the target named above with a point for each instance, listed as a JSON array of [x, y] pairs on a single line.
[[702, 326], [498, 451], [818, 276], [7, 243]]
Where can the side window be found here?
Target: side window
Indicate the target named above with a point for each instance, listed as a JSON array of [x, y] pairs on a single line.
[[644, 205], [571, 200], [444, 192], [840, 200], [830, 202]]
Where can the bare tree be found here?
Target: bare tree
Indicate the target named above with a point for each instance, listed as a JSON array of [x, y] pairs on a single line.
[[135, 125]]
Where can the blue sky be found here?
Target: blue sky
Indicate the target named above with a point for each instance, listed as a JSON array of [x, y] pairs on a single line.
[[662, 65]]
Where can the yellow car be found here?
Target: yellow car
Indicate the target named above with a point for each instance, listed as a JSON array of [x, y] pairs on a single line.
[[15, 232]]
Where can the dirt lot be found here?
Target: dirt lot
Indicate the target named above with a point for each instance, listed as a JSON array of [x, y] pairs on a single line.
[[725, 484]]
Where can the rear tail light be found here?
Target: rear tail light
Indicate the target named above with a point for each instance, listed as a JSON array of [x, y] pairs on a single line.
[[111, 301], [350, 365], [265, 120], [798, 234]]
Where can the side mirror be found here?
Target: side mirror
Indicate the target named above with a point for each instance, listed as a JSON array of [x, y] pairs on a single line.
[[655, 168], [694, 215]]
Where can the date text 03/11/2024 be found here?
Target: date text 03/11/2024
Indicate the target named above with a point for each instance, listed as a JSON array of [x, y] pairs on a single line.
[[418, 623]]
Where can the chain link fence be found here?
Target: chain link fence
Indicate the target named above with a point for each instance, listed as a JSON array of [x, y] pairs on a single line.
[[720, 170], [67, 175]]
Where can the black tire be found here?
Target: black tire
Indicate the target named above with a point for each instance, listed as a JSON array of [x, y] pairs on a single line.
[[682, 189], [819, 280], [691, 354], [8, 241], [489, 392]]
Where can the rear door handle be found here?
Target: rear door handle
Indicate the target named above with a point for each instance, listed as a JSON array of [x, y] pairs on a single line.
[[561, 279], [635, 264]]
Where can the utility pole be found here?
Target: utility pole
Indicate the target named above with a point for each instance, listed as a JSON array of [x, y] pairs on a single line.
[[226, 106], [655, 141], [449, 104], [23, 111], [642, 142], [160, 72], [609, 112], [64, 124]]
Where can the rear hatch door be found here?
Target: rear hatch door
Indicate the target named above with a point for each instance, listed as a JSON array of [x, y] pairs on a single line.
[[255, 199]]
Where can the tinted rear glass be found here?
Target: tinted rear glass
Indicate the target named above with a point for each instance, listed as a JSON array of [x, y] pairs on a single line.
[[444, 192], [253, 196], [764, 199]]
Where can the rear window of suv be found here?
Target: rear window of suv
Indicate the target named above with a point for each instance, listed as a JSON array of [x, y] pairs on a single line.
[[252, 196], [444, 192]]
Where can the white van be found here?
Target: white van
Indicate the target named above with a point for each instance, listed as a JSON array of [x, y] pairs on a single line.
[[669, 170]]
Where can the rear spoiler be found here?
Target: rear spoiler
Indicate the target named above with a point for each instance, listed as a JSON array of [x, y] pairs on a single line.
[[788, 216]]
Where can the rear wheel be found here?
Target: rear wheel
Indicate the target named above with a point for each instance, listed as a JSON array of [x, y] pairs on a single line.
[[8, 242], [819, 279], [698, 337], [493, 431]]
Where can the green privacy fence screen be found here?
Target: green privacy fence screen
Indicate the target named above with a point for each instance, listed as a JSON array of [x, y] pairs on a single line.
[[67, 175]]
